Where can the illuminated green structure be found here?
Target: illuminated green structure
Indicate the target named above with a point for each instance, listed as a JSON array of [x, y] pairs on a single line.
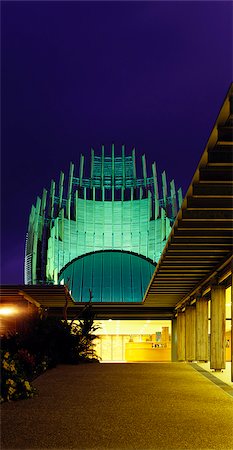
[[91, 227]]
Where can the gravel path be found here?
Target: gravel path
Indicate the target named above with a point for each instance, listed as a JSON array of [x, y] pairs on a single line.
[[121, 406]]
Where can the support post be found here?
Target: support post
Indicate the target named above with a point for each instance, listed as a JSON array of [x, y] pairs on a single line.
[[174, 339], [218, 327], [181, 336], [232, 327], [202, 329], [190, 333]]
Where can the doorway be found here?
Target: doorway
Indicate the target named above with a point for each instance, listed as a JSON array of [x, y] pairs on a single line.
[[133, 340]]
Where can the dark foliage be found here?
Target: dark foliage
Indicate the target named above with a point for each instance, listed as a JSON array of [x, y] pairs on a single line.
[[48, 341]]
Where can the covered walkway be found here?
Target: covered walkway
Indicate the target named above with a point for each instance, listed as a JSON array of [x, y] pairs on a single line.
[[121, 406]]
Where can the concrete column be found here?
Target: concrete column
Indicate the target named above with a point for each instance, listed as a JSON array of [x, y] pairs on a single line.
[[202, 329], [190, 333], [174, 339], [218, 328], [232, 328], [181, 336]]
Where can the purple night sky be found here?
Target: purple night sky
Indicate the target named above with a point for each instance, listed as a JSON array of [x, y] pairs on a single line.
[[78, 74]]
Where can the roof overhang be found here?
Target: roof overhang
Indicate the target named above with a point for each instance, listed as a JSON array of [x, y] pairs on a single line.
[[201, 240], [54, 298]]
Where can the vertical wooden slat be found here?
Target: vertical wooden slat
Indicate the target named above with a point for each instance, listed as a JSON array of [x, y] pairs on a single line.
[[134, 174], [85, 222], [102, 173], [81, 167], [57, 244], [52, 194], [93, 219], [76, 208], [144, 169], [30, 229], [77, 221], [139, 250], [61, 236], [42, 212], [167, 226], [43, 202], [92, 166], [61, 184], [156, 190], [173, 198], [141, 193], [122, 218], [149, 214], [35, 241], [164, 187], [123, 172], [113, 172], [68, 206], [163, 224], [134, 167], [69, 191], [180, 197]]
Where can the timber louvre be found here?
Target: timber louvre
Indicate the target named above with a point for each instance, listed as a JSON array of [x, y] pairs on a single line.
[[201, 240]]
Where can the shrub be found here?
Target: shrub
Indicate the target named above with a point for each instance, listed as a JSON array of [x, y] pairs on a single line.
[[14, 383]]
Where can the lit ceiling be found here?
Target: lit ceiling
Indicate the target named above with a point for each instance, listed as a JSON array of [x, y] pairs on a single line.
[[127, 327]]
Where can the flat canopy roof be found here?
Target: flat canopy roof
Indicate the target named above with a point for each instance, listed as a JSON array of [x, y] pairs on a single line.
[[54, 298], [38, 295], [201, 239]]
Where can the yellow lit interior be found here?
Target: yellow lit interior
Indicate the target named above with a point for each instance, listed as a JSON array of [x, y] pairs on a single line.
[[134, 340]]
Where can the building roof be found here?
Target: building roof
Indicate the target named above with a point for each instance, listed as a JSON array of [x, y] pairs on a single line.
[[200, 242], [110, 275], [54, 298], [38, 295]]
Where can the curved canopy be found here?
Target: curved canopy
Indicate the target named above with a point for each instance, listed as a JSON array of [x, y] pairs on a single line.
[[112, 276]]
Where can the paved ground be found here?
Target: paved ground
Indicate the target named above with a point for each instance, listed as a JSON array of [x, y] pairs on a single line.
[[224, 375], [121, 406]]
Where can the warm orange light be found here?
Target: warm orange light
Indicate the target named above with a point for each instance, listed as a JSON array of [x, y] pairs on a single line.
[[8, 310]]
